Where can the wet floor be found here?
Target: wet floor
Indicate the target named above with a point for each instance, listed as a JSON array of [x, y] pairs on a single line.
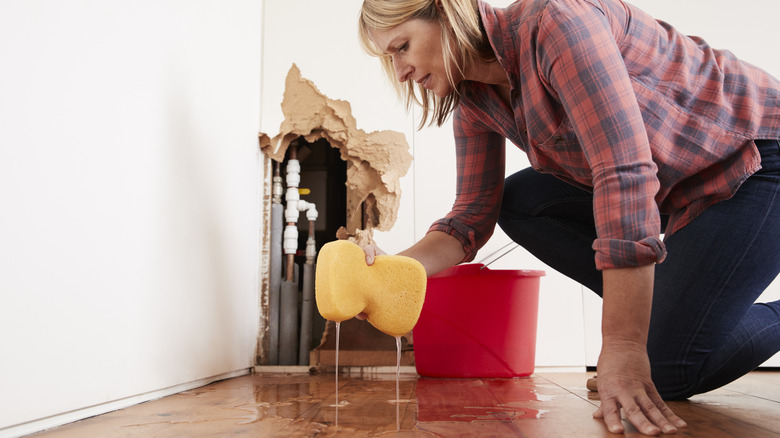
[[294, 405]]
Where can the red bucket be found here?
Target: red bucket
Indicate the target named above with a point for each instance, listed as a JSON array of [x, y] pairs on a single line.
[[478, 322]]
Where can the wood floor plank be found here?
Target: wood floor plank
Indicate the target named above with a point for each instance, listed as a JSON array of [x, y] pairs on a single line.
[[703, 420], [363, 405], [740, 408], [544, 405], [502, 407], [761, 384], [738, 413]]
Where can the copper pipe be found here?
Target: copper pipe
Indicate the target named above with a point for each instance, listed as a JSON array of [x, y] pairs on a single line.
[[290, 273]]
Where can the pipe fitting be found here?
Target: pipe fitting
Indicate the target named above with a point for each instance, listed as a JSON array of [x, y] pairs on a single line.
[[291, 212], [292, 196], [278, 190], [304, 205], [311, 250], [290, 244], [310, 208], [311, 214], [293, 173]]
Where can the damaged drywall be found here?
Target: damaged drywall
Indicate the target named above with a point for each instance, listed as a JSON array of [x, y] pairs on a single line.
[[376, 160]]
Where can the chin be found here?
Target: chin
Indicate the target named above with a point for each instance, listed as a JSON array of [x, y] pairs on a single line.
[[441, 93]]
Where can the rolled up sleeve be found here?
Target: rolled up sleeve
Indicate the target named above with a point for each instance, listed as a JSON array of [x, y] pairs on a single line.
[[480, 160], [583, 67]]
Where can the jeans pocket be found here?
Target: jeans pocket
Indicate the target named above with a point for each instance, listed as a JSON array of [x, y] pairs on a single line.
[[770, 156]]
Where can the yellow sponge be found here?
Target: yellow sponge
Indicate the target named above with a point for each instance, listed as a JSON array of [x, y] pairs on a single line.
[[390, 292]]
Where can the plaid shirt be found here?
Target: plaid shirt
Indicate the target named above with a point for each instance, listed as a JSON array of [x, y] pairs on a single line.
[[605, 97]]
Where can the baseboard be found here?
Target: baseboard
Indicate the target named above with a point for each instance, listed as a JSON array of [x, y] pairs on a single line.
[[345, 370], [92, 411], [561, 369], [370, 370]]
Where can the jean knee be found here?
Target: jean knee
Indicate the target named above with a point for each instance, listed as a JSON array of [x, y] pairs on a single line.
[[674, 392], [518, 202], [674, 380]]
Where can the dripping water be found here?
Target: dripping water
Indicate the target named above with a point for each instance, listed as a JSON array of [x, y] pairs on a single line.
[[397, 385]]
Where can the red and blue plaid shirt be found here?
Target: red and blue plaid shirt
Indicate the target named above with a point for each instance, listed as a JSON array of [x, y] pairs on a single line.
[[607, 98]]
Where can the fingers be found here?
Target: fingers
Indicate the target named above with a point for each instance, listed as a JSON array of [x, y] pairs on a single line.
[[648, 416], [666, 411], [643, 414], [371, 252], [609, 411]]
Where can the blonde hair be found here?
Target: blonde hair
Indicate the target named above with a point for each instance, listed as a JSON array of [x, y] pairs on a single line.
[[462, 39]]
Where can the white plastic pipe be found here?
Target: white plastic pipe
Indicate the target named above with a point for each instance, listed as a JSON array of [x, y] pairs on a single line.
[[290, 307], [291, 212], [295, 205]]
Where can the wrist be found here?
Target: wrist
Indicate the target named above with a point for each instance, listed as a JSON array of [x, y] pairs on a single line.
[[628, 295], [622, 343]]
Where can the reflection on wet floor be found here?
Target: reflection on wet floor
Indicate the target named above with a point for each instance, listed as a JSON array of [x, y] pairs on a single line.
[[305, 405], [367, 405], [294, 405]]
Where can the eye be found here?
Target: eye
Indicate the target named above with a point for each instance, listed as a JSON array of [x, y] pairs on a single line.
[[404, 47]]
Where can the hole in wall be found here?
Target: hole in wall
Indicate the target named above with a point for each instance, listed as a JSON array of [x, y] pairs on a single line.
[[360, 173]]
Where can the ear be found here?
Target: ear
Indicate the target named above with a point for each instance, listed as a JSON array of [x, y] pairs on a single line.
[[442, 13]]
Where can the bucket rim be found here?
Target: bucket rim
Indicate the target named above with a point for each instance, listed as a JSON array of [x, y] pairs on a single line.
[[479, 269]]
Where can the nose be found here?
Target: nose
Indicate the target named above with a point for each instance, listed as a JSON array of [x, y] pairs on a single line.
[[403, 71]]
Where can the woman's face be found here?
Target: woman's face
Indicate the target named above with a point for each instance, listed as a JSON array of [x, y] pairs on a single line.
[[415, 48]]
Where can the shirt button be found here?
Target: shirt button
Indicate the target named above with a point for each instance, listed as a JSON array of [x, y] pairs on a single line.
[[558, 139], [514, 93]]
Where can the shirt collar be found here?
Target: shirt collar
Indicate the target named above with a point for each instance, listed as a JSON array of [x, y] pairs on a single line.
[[495, 20]]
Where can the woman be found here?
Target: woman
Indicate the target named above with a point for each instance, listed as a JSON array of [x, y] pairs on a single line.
[[632, 130]]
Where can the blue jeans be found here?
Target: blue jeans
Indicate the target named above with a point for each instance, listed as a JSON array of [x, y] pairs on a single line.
[[706, 329]]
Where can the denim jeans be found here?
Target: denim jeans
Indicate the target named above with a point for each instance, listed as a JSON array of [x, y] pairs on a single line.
[[706, 329]]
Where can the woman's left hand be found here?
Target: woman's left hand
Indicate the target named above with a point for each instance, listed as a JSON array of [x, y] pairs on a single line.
[[624, 381]]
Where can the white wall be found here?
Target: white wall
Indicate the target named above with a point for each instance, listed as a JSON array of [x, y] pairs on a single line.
[[323, 42], [129, 199]]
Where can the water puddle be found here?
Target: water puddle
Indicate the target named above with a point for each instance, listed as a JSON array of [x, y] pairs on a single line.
[[438, 401]]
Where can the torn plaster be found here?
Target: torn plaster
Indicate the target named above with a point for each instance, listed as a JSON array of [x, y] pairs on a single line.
[[376, 160]]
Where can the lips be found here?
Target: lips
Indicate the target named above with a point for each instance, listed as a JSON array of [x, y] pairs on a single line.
[[425, 81]]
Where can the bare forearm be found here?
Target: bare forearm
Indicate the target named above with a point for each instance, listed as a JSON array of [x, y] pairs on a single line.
[[436, 251], [628, 298], [625, 377]]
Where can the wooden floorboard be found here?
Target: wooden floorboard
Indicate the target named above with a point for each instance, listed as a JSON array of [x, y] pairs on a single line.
[[542, 405]]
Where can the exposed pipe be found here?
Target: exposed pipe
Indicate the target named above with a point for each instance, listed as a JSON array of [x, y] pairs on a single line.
[[307, 303], [275, 267], [291, 212], [288, 321], [293, 345], [288, 335]]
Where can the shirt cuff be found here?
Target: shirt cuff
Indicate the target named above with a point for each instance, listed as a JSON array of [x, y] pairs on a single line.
[[464, 234], [616, 253]]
